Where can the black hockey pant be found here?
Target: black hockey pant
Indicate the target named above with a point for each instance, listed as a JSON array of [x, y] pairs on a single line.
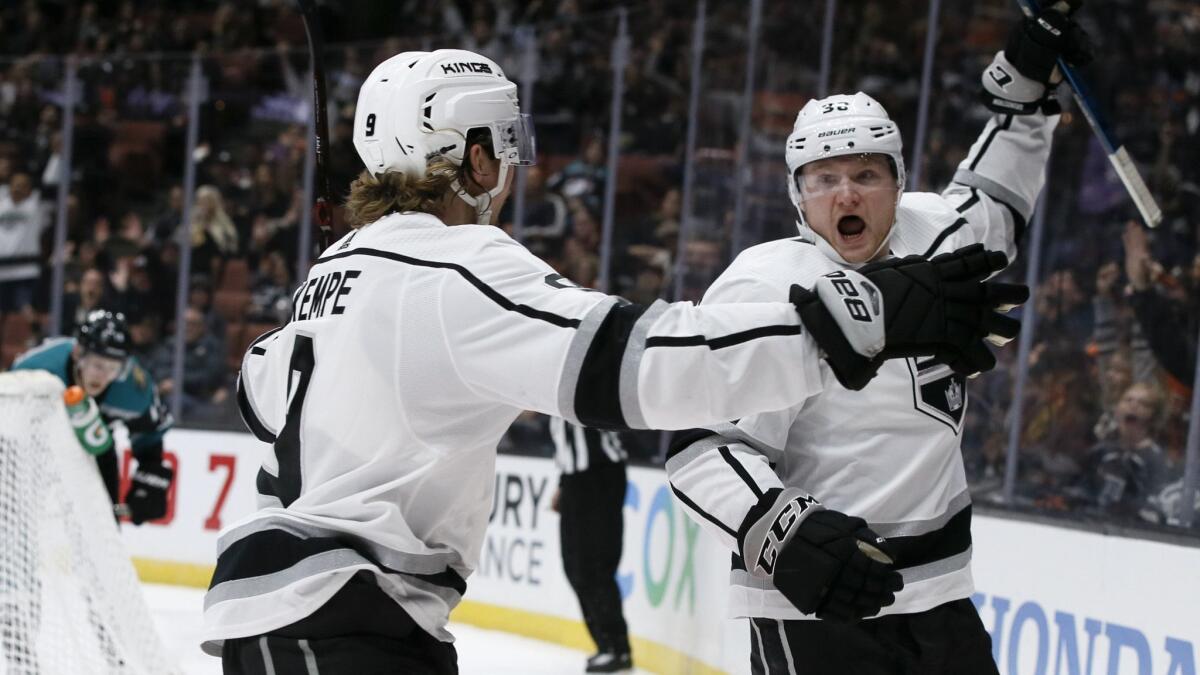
[[591, 527], [359, 631], [946, 640]]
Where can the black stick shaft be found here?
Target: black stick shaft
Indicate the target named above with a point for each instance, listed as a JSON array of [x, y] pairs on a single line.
[[323, 206]]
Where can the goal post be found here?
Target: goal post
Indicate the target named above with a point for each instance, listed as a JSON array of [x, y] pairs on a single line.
[[70, 600]]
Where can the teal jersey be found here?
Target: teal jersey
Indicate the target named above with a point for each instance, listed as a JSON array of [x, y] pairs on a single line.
[[132, 398]]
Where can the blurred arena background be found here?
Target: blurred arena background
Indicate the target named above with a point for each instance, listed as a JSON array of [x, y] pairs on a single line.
[[660, 128]]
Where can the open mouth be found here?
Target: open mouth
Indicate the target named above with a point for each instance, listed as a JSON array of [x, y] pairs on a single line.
[[851, 228]]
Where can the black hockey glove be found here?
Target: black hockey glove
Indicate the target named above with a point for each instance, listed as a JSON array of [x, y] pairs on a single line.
[[824, 562], [945, 307], [942, 307], [147, 496], [1021, 79], [1035, 45]]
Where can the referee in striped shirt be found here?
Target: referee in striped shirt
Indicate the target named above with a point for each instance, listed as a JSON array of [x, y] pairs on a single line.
[[590, 502]]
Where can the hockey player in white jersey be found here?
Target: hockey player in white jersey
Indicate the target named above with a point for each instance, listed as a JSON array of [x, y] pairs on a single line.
[[794, 491], [418, 338]]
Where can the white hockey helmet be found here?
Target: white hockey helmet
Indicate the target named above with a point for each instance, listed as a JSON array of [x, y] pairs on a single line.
[[419, 105], [837, 126]]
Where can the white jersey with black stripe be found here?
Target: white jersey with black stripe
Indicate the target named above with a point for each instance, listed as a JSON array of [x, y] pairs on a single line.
[[889, 453], [411, 348]]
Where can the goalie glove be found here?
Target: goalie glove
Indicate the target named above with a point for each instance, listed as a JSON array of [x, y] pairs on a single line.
[[147, 495], [1021, 79], [943, 307], [824, 562]]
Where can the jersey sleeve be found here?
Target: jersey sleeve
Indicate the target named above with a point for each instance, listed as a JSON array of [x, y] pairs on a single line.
[[996, 186], [719, 474], [524, 336]]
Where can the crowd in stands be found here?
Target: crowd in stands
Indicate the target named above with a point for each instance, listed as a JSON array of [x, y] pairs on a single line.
[[1104, 415]]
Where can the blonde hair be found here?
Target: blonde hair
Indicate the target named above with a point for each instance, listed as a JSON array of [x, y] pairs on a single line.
[[217, 224], [372, 198]]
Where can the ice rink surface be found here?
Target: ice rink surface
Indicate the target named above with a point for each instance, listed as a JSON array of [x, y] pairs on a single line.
[[177, 613]]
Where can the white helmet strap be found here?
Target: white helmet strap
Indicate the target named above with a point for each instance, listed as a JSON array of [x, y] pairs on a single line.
[[482, 203]]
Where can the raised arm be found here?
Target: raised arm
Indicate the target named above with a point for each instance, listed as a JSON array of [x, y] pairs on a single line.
[[998, 183]]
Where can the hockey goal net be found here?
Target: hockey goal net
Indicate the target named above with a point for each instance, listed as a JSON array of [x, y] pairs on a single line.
[[70, 600]]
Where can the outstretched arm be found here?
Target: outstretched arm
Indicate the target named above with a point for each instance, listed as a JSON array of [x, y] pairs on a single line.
[[602, 362]]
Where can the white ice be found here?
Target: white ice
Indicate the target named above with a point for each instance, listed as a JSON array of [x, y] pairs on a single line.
[[177, 613]]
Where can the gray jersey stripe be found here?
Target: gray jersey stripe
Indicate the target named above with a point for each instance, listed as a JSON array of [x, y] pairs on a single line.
[[322, 563], [631, 362], [994, 190], [327, 563], [916, 527], [268, 662], [576, 354], [403, 561], [694, 451], [762, 654], [937, 568], [310, 660], [787, 649]]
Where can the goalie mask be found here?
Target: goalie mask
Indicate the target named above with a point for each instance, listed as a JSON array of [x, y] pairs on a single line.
[[842, 126], [420, 105]]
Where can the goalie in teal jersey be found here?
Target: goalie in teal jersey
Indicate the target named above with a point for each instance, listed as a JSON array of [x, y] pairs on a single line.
[[98, 360]]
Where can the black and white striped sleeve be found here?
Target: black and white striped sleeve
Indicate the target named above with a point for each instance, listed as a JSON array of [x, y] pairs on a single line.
[[534, 341], [998, 183], [720, 477]]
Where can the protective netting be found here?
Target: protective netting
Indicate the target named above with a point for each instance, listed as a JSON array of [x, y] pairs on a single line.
[[70, 601]]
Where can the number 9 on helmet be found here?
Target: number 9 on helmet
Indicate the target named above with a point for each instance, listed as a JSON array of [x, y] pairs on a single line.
[[417, 106]]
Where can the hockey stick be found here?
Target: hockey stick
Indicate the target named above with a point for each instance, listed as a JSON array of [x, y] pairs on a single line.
[[1122, 163], [323, 206]]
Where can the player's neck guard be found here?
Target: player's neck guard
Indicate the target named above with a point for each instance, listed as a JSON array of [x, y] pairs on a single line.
[[482, 203]]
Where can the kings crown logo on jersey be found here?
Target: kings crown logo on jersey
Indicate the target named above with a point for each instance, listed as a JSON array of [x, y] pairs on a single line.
[[954, 396]]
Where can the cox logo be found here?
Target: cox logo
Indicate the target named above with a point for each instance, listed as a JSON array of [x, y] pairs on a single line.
[[668, 543]]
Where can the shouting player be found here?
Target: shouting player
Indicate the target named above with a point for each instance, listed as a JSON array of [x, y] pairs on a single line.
[[793, 492], [419, 337]]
